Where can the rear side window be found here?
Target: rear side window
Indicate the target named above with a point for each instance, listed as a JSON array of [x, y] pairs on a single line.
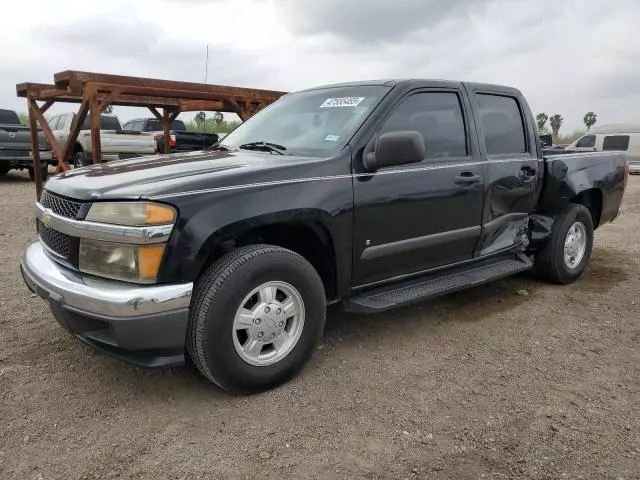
[[438, 117], [53, 123], [502, 125], [588, 141], [9, 117], [616, 142]]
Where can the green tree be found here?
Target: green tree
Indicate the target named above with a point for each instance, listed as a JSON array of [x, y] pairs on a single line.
[[590, 120], [556, 122], [24, 118], [217, 117], [541, 120]]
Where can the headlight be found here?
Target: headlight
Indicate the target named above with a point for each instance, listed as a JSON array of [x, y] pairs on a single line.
[[131, 214], [120, 261]]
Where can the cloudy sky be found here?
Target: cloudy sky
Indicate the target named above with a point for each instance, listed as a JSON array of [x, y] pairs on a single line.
[[567, 56]]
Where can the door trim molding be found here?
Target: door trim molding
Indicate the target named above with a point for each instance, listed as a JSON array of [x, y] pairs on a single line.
[[416, 243]]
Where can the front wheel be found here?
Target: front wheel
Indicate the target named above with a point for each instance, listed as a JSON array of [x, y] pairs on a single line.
[[255, 319], [566, 254]]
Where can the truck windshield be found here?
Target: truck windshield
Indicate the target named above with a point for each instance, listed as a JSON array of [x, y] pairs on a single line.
[[9, 117], [312, 123], [106, 123]]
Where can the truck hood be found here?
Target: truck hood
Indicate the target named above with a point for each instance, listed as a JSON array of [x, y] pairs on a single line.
[[159, 175]]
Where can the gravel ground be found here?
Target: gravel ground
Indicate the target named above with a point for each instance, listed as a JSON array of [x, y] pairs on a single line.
[[516, 379]]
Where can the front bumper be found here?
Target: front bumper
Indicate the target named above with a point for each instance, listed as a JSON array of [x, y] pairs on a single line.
[[144, 325]]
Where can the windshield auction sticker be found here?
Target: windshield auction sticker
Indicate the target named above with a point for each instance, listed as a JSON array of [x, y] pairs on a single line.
[[342, 102]]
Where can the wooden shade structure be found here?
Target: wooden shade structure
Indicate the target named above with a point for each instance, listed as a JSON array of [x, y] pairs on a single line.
[[96, 91]]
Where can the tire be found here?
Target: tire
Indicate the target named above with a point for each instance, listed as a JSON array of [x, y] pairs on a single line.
[[214, 341], [550, 262], [79, 159], [45, 173]]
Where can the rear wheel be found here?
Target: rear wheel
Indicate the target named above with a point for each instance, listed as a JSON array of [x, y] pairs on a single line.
[[79, 159], [256, 317], [566, 255], [32, 173]]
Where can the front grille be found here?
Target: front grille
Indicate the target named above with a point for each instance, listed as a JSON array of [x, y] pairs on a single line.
[[60, 205], [59, 243]]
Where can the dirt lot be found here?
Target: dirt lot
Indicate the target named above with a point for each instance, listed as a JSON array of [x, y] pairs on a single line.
[[514, 380]]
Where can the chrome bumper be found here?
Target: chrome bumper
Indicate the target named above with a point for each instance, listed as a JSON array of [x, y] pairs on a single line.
[[93, 296]]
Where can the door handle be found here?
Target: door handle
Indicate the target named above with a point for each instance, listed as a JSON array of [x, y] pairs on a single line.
[[466, 178]]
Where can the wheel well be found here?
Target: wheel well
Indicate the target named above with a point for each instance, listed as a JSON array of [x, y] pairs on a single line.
[[311, 240], [592, 199]]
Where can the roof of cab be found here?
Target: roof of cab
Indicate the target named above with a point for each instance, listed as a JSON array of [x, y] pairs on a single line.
[[417, 83]]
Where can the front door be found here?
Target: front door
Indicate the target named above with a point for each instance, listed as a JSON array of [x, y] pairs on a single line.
[[420, 216]]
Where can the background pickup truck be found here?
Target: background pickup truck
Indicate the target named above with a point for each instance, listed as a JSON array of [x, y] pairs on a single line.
[[116, 144], [181, 140], [15, 145], [367, 195]]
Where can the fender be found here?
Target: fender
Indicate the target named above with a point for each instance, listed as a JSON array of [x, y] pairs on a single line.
[[569, 175], [206, 220]]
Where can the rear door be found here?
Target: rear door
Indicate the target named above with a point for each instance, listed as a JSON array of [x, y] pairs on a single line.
[[512, 168]]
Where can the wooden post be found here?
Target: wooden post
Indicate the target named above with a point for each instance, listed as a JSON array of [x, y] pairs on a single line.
[[76, 125], [35, 110], [35, 148], [166, 129], [96, 146]]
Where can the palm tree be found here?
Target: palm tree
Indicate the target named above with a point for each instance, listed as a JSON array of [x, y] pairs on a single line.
[[541, 120], [590, 119], [556, 122], [200, 117]]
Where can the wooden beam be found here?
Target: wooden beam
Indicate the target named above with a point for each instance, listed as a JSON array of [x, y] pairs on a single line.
[[34, 110], [35, 147], [108, 100], [204, 105], [173, 116], [78, 78], [46, 106], [96, 145], [155, 112], [74, 131]]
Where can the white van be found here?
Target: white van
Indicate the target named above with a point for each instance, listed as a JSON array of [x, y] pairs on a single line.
[[621, 137]]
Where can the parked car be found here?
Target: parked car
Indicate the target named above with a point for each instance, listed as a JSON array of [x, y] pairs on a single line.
[[369, 195], [621, 137], [116, 144], [15, 146], [181, 140]]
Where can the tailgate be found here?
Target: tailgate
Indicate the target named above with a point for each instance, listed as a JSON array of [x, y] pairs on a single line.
[[15, 140], [115, 142]]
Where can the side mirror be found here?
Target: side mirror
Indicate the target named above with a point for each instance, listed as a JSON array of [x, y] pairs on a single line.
[[394, 148]]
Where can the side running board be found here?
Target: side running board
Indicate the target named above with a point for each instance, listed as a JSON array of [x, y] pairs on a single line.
[[437, 284]]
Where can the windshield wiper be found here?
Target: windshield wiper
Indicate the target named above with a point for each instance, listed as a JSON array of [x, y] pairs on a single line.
[[264, 146], [219, 146]]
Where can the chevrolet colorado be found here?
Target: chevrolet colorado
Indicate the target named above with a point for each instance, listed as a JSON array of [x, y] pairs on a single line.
[[369, 195]]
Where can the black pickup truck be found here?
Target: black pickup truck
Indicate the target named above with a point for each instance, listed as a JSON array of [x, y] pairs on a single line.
[[368, 195], [181, 140], [15, 146]]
